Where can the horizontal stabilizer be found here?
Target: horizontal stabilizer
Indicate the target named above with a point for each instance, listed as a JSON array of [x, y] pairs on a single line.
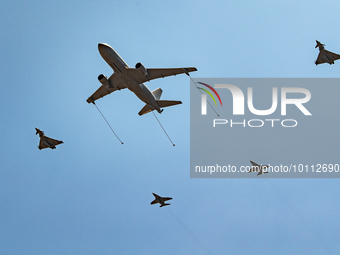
[[164, 205], [166, 103], [146, 109], [161, 103]]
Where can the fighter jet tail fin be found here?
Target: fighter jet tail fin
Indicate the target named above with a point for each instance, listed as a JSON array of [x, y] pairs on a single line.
[[38, 131], [319, 44]]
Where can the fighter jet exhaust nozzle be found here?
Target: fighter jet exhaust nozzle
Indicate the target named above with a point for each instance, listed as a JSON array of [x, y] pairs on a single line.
[[103, 80], [139, 66]]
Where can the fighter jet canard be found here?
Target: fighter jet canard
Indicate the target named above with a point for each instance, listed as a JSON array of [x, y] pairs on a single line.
[[325, 56], [133, 79], [161, 200], [46, 142], [257, 168]]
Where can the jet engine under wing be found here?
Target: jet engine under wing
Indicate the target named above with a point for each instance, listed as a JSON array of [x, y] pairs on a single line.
[[154, 73], [115, 84]]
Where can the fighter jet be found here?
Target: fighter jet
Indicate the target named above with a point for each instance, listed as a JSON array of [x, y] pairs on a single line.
[[257, 168], [325, 56], [46, 142], [133, 79], [161, 200]]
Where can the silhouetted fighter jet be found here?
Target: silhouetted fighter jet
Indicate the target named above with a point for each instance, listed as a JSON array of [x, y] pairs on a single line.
[[257, 168], [161, 200], [325, 56], [46, 142]]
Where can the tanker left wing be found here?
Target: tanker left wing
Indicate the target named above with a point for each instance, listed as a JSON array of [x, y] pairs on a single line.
[[141, 74]]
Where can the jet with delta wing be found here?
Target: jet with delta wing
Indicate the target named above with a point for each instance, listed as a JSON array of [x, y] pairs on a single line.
[[46, 142], [161, 200], [325, 56], [133, 79], [257, 168]]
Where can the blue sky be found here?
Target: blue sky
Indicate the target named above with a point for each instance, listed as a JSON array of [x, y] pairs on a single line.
[[92, 195]]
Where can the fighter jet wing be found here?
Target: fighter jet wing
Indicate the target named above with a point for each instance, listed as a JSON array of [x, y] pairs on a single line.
[[42, 145], [257, 167], [326, 56], [55, 142], [46, 142], [115, 83], [155, 73], [253, 163], [166, 198], [156, 196]]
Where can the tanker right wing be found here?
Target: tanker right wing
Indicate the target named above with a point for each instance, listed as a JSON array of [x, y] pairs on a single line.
[[112, 84]]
